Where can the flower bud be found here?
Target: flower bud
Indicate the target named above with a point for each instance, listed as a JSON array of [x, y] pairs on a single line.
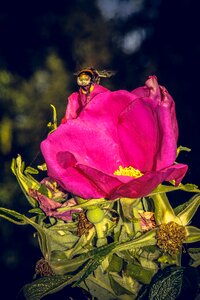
[[95, 215]]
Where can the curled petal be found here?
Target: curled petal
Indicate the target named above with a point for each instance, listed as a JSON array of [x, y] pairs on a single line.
[[49, 206], [144, 185]]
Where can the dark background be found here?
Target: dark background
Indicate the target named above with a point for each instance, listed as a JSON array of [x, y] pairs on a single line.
[[43, 43]]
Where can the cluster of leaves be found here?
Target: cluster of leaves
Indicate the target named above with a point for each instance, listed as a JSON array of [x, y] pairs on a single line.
[[128, 266]]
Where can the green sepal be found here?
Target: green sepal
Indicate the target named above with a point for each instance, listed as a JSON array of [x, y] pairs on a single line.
[[163, 210], [188, 187], [53, 125], [30, 170], [195, 256], [26, 182], [140, 273], [189, 209], [36, 210], [193, 234], [116, 264], [182, 148]]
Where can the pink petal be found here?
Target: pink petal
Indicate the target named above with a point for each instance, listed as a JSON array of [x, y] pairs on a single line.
[[82, 142], [139, 121], [142, 186], [49, 206], [77, 102]]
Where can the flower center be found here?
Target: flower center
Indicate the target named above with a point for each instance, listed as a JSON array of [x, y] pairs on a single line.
[[170, 237], [128, 171]]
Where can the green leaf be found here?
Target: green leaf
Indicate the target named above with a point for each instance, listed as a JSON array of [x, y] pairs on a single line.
[[145, 259], [174, 282], [25, 181], [99, 285], [45, 286], [124, 286], [61, 264], [193, 234], [146, 239], [93, 263], [167, 286], [53, 125], [150, 252], [182, 148], [189, 209], [188, 187], [140, 273], [118, 284], [48, 285], [115, 264], [195, 255], [44, 190], [30, 170], [36, 210], [81, 244], [60, 238]]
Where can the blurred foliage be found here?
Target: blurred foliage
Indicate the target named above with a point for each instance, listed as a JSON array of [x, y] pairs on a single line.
[[42, 45], [25, 111]]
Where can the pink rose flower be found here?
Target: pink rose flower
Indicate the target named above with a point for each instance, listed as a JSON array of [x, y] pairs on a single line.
[[119, 144]]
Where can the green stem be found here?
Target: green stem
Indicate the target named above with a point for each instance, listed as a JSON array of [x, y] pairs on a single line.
[[129, 227], [147, 239], [101, 233], [88, 204], [136, 220]]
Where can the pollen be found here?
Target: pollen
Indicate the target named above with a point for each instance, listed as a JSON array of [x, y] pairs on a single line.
[[128, 171], [170, 237]]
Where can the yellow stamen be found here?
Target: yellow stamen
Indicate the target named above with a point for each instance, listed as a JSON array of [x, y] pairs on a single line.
[[128, 171]]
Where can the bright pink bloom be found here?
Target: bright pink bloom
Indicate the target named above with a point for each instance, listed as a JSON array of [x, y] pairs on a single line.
[[113, 129]]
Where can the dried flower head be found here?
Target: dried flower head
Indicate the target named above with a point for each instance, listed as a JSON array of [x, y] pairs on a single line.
[[170, 237], [43, 268]]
